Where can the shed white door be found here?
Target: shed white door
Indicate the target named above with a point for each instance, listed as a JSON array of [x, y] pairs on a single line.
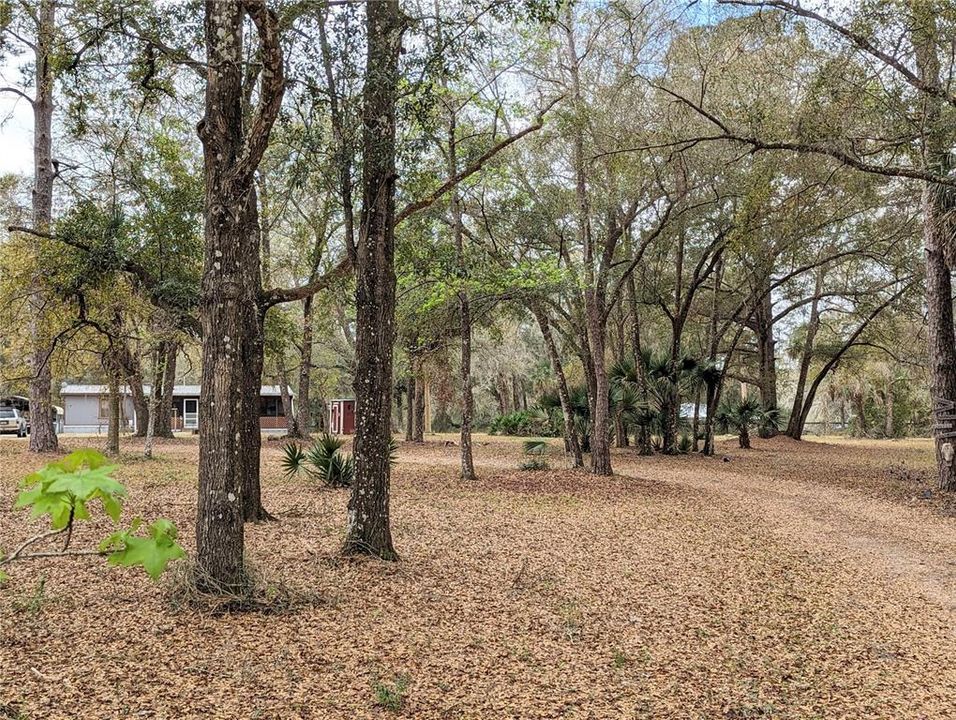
[[191, 413]]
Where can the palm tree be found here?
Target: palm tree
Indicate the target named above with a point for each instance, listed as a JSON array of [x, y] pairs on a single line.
[[739, 415], [707, 374]]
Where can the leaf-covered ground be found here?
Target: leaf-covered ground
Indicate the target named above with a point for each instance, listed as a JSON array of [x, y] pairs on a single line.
[[796, 580]]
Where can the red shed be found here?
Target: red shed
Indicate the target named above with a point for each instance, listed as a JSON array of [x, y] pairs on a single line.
[[342, 416]]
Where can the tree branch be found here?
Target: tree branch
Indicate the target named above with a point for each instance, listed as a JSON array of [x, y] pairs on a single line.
[[454, 181], [844, 157], [271, 90], [858, 39], [16, 91], [276, 296]]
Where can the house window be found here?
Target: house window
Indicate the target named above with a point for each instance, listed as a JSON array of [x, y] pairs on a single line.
[[271, 407], [104, 409]]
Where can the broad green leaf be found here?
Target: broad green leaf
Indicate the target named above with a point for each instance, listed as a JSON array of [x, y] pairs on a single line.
[[153, 552]]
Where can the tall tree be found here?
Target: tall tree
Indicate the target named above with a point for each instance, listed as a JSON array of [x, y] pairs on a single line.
[[229, 311], [369, 531]]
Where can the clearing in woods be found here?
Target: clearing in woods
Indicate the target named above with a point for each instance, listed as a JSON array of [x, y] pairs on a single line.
[[796, 580]]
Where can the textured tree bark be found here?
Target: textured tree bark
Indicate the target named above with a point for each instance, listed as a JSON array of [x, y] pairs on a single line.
[[744, 439], [794, 425], [42, 428], [303, 407], [418, 427], [292, 421], [889, 429], [936, 228], [133, 377], [695, 428], [410, 420], [252, 347], [766, 350], [600, 447], [570, 435], [464, 309], [154, 401], [595, 321], [368, 530], [231, 286], [859, 401], [113, 429], [501, 393], [164, 378]]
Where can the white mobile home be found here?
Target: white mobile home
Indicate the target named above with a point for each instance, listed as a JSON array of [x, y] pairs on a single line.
[[86, 408]]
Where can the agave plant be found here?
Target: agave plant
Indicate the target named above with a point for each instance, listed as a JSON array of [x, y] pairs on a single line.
[[326, 462], [323, 461]]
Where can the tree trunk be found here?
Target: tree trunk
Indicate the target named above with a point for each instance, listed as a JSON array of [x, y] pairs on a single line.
[[620, 430], [671, 405], [744, 437], [368, 531], [292, 422], [570, 434], [794, 425], [939, 288], [696, 426], [113, 429], [231, 284], [303, 407], [501, 394], [859, 399], [713, 396], [888, 425], [600, 447], [252, 349], [412, 393], [42, 426], [132, 372], [418, 426], [464, 308], [766, 349], [164, 379], [154, 400]]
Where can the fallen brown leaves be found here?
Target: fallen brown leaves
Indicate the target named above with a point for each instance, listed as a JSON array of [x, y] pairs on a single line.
[[786, 583]]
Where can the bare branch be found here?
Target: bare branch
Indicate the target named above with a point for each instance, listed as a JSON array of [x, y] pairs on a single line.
[[284, 295], [454, 181], [858, 39]]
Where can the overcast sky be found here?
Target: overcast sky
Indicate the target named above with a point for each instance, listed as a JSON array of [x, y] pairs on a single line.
[[16, 124]]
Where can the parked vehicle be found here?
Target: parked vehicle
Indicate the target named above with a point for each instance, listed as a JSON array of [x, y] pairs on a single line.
[[13, 421]]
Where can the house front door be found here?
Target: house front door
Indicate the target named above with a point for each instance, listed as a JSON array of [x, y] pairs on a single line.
[[191, 413]]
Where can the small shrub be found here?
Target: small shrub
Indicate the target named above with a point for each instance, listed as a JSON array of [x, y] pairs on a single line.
[[537, 421], [535, 450], [326, 461], [391, 696], [685, 444]]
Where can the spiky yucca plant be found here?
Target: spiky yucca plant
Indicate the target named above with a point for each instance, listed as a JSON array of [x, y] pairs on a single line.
[[323, 461]]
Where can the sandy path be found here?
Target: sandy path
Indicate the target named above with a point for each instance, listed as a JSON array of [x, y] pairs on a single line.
[[910, 545]]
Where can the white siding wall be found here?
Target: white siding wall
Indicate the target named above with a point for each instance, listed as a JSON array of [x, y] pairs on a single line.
[[81, 414]]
